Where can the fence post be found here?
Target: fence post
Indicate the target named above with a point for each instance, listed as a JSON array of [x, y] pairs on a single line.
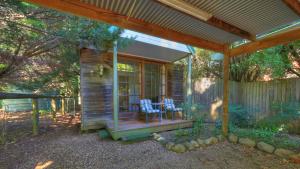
[[63, 106], [35, 117], [53, 108], [226, 65]]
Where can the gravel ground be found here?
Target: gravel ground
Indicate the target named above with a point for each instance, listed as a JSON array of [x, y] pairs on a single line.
[[66, 148]]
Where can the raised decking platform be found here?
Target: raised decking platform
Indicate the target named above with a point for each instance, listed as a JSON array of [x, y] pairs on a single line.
[[134, 128]]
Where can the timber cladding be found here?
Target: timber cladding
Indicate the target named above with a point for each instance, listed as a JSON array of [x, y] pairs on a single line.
[[96, 86]]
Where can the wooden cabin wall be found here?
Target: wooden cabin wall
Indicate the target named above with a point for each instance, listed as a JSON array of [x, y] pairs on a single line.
[[175, 83], [96, 88]]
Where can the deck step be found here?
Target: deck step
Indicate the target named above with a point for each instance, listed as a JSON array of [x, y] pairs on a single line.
[[103, 134], [133, 133], [134, 137]]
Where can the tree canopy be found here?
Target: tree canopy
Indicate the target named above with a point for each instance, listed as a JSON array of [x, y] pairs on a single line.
[[39, 46], [282, 61]]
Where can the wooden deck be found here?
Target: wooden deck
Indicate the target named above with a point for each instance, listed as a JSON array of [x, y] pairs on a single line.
[[135, 128]]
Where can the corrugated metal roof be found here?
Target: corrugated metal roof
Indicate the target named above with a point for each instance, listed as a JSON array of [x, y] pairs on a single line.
[[153, 52], [254, 16], [153, 12], [155, 41]]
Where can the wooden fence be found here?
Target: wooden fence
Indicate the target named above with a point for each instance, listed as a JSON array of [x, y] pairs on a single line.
[[256, 97], [35, 105]]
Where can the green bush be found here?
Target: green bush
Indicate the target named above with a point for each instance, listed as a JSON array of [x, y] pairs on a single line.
[[44, 112], [192, 111], [293, 127], [273, 138], [275, 123], [239, 116], [195, 131], [286, 107], [288, 114]]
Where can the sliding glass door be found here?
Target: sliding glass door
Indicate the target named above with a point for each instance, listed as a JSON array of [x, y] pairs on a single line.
[[139, 80], [129, 86], [154, 82]]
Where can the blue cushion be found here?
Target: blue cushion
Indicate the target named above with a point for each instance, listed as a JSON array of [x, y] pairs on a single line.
[[169, 105], [146, 106]]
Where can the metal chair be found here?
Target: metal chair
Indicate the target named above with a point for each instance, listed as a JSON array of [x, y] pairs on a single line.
[[170, 106], [146, 107]]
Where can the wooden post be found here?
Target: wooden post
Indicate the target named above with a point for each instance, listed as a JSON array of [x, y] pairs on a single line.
[[225, 92], [189, 87], [189, 81], [35, 117], [63, 106], [115, 87], [53, 109]]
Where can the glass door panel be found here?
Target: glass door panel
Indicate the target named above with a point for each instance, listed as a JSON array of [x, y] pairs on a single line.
[[129, 86], [153, 81]]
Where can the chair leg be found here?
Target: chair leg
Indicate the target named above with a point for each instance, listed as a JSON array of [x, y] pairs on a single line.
[[160, 116]]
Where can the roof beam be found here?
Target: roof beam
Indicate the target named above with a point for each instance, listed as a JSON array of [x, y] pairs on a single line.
[[82, 9], [294, 5], [282, 38], [230, 28], [206, 17]]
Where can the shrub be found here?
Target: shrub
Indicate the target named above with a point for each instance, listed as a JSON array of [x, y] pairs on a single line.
[[195, 131], [239, 116], [192, 111], [275, 123], [287, 118], [286, 107], [197, 126], [273, 138], [293, 127]]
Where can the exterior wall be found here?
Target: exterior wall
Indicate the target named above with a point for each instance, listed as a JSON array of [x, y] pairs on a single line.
[[96, 88]]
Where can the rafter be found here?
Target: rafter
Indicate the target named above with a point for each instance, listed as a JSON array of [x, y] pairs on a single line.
[[82, 9], [294, 5], [282, 38], [199, 14]]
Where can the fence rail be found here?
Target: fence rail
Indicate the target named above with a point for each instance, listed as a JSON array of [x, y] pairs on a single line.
[[256, 97], [33, 102]]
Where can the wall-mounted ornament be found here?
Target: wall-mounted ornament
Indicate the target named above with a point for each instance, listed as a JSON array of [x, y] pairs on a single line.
[[98, 70]]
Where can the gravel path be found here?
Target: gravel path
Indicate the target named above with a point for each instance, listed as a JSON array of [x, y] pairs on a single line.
[[66, 148], [71, 150]]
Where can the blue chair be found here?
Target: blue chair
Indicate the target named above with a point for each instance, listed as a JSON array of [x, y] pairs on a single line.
[[170, 106], [146, 107]]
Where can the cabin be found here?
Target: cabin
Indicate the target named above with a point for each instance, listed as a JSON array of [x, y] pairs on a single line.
[[233, 28], [145, 70]]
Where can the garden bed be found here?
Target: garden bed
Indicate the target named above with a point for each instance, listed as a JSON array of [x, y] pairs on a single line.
[[280, 140]]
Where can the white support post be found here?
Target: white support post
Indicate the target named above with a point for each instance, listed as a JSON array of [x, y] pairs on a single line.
[[115, 87]]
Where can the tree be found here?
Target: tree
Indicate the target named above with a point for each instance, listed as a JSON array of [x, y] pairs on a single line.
[[281, 61], [39, 46], [205, 66]]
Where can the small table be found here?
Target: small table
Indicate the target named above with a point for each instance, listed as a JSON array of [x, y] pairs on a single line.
[[136, 106], [160, 109]]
